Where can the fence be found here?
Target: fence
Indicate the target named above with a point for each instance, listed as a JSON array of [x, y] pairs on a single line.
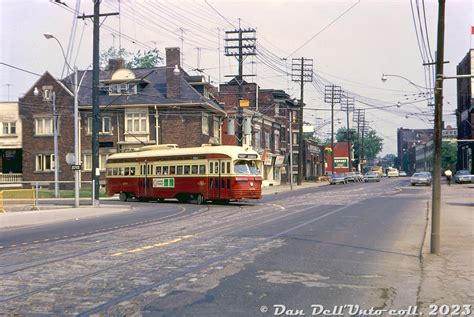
[[43, 195], [17, 197], [11, 179]]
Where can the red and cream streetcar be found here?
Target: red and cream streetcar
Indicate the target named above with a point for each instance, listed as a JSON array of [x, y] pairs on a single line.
[[217, 173]]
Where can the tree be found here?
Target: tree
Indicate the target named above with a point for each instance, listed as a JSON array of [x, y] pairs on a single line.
[[449, 153], [373, 144], [145, 59]]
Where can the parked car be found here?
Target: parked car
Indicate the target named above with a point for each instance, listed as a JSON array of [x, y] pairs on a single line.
[[393, 172], [338, 178], [351, 177], [463, 176], [359, 176], [422, 178], [402, 174], [384, 175], [372, 177]]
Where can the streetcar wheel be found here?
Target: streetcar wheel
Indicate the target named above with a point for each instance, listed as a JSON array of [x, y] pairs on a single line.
[[123, 196], [161, 200], [199, 199]]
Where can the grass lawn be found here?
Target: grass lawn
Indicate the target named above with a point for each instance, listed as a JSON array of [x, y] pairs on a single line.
[[69, 193]]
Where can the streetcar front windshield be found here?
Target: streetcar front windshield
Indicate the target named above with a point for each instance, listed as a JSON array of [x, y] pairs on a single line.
[[246, 167]]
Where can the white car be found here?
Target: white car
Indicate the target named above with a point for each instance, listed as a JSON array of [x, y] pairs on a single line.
[[392, 173]]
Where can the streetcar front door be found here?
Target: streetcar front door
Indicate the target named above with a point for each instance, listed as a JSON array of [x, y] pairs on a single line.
[[214, 182]]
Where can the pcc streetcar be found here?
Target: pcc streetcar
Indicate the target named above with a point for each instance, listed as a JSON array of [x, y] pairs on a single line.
[[217, 173]]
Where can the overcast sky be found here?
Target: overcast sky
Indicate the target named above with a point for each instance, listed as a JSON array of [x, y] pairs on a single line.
[[371, 38]]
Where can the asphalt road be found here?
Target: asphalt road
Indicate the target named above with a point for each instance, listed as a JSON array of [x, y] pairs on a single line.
[[355, 244]]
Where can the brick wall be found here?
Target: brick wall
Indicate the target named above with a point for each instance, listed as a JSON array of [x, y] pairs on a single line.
[[31, 106]]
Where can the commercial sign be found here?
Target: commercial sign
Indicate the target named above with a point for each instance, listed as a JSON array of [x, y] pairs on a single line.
[[163, 182], [244, 103], [341, 162], [279, 160]]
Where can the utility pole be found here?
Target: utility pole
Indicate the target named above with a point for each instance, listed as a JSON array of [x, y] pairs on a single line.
[[291, 148], [240, 43], [301, 71], [56, 150], [95, 96], [347, 104], [332, 95], [364, 130], [436, 194], [359, 118]]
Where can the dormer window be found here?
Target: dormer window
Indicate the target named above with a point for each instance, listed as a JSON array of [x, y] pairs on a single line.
[[123, 89]]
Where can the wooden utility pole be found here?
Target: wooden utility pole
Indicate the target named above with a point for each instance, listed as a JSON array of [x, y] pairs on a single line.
[[332, 95], [95, 95], [438, 121], [301, 71], [245, 46]]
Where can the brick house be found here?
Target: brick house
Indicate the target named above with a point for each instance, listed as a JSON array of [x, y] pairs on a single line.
[[10, 142], [161, 105], [36, 114], [268, 129]]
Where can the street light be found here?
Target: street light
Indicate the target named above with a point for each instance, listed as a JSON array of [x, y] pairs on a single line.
[[49, 36], [385, 78]]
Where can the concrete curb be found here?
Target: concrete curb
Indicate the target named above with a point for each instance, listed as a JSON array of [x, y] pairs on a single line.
[[47, 216], [425, 243]]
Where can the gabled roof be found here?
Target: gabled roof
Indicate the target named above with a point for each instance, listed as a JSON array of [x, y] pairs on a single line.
[[153, 93]]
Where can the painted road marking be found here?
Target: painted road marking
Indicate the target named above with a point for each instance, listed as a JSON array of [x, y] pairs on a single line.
[[161, 244]]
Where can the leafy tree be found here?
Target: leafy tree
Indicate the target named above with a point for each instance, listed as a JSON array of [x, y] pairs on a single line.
[[145, 59], [373, 144], [449, 153]]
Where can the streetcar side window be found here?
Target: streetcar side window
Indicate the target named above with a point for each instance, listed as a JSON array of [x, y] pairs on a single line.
[[115, 171], [132, 171], [223, 168], [109, 172], [216, 168], [158, 170], [121, 171], [202, 169], [172, 170], [194, 169], [228, 169], [187, 169], [165, 170], [180, 170], [126, 171], [211, 168]]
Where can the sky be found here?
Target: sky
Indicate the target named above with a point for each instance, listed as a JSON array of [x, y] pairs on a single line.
[[352, 43]]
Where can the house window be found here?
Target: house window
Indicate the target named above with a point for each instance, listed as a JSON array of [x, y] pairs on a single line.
[[8, 128], [87, 163], [277, 140], [216, 127], [44, 162], [205, 124], [123, 89], [136, 122], [258, 141], [267, 140], [105, 125], [44, 126]]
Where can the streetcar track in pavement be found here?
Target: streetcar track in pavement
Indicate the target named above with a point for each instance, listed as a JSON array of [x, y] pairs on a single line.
[[60, 257], [81, 253], [250, 219], [198, 236], [219, 229], [166, 280]]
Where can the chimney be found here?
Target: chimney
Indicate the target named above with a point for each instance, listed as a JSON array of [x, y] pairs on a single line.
[[116, 63], [173, 58]]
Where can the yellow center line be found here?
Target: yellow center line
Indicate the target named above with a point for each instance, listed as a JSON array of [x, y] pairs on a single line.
[[161, 244]]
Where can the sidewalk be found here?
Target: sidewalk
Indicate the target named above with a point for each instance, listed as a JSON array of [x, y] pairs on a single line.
[[448, 278], [45, 216]]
